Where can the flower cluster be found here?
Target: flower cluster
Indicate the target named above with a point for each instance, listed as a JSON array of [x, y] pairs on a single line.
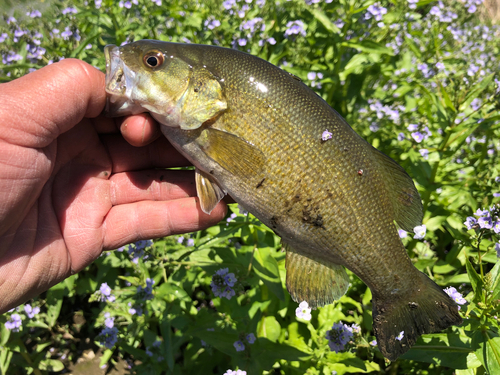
[[189, 242], [14, 323], [296, 27], [145, 293], [339, 336], [105, 292], [486, 219], [108, 337], [136, 250], [417, 134], [222, 283]]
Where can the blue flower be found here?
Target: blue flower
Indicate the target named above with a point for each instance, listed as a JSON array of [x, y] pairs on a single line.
[[239, 346], [417, 136], [375, 11], [402, 233], [15, 323], [497, 249], [108, 337], [485, 222], [339, 336], [34, 14], [424, 152], [69, 10], [250, 338], [146, 293], [190, 242], [475, 104]]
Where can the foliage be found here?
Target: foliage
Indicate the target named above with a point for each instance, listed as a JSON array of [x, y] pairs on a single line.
[[417, 79]]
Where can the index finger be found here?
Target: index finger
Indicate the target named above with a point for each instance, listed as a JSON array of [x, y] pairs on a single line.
[[40, 106]]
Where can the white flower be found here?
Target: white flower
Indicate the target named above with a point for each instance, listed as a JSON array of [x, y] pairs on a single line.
[[420, 231], [303, 311]]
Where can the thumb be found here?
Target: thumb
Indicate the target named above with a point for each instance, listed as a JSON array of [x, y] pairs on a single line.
[[39, 106]]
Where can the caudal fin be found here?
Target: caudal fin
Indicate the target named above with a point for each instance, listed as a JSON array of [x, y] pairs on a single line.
[[398, 323]]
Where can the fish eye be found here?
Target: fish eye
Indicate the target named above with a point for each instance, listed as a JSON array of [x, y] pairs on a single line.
[[153, 59]]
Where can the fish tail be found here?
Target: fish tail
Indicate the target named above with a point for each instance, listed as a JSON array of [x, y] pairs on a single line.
[[399, 321]]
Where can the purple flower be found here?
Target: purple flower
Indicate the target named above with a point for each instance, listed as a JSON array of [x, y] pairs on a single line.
[[212, 23], [295, 28], [11, 20], [239, 346], [15, 323], [235, 372], [242, 42], [109, 321], [480, 212], [402, 233], [470, 222], [190, 242], [412, 127], [97, 3], [375, 11], [401, 137], [250, 338], [326, 135], [400, 336], [222, 283], [418, 137], [303, 311], [473, 69], [106, 293], [373, 343], [34, 14], [424, 152], [339, 336], [31, 311], [69, 10], [496, 227], [455, 295], [485, 222], [497, 249], [229, 4], [440, 66], [475, 104]]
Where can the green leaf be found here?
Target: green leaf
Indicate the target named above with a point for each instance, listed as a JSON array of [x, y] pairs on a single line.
[[265, 353], [369, 46], [487, 345], [166, 332], [52, 365], [54, 300], [493, 280], [442, 349], [476, 281], [476, 91], [106, 356], [269, 328], [266, 267], [323, 19]]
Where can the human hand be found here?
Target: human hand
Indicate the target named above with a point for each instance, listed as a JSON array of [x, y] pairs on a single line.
[[71, 186]]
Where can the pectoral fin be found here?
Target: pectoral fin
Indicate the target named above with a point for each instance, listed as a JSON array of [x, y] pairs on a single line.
[[231, 152], [209, 192], [316, 283]]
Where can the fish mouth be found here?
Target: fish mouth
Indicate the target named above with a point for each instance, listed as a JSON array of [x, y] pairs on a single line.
[[120, 84]]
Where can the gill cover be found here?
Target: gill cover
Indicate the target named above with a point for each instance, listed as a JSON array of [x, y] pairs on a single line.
[[202, 100]]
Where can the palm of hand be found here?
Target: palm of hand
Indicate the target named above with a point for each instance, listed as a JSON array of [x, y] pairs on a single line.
[[67, 193]]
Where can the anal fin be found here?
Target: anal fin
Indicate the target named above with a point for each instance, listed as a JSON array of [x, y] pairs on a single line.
[[209, 192], [316, 283]]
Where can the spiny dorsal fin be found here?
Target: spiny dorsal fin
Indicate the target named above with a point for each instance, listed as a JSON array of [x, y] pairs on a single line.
[[233, 153], [404, 196], [316, 283], [209, 192]]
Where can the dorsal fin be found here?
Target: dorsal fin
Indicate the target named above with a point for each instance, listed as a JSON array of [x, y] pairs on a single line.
[[402, 192], [316, 283]]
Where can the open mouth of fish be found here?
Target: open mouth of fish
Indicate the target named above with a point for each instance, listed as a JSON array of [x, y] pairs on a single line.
[[120, 83]]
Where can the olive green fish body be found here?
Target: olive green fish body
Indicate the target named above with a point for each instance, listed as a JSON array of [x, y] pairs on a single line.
[[255, 132]]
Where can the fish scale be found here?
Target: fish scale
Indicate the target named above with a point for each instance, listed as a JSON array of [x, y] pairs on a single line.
[[255, 132]]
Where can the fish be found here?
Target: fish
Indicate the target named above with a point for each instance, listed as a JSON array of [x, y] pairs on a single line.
[[259, 134]]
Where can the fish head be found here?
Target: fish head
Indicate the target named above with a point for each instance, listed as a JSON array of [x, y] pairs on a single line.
[[161, 78]]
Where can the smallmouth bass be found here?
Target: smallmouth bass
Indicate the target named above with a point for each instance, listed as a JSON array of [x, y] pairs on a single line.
[[255, 132]]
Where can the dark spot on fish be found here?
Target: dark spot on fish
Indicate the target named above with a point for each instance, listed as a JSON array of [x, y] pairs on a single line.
[[309, 199], [396, 278], [297, 198], [260, 183], [346, 149], [211, 171], [360, 172], [162, 177], [274, 221], [196, 89], [382, 310], [105, 174], [413, 305], [318, 222]]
